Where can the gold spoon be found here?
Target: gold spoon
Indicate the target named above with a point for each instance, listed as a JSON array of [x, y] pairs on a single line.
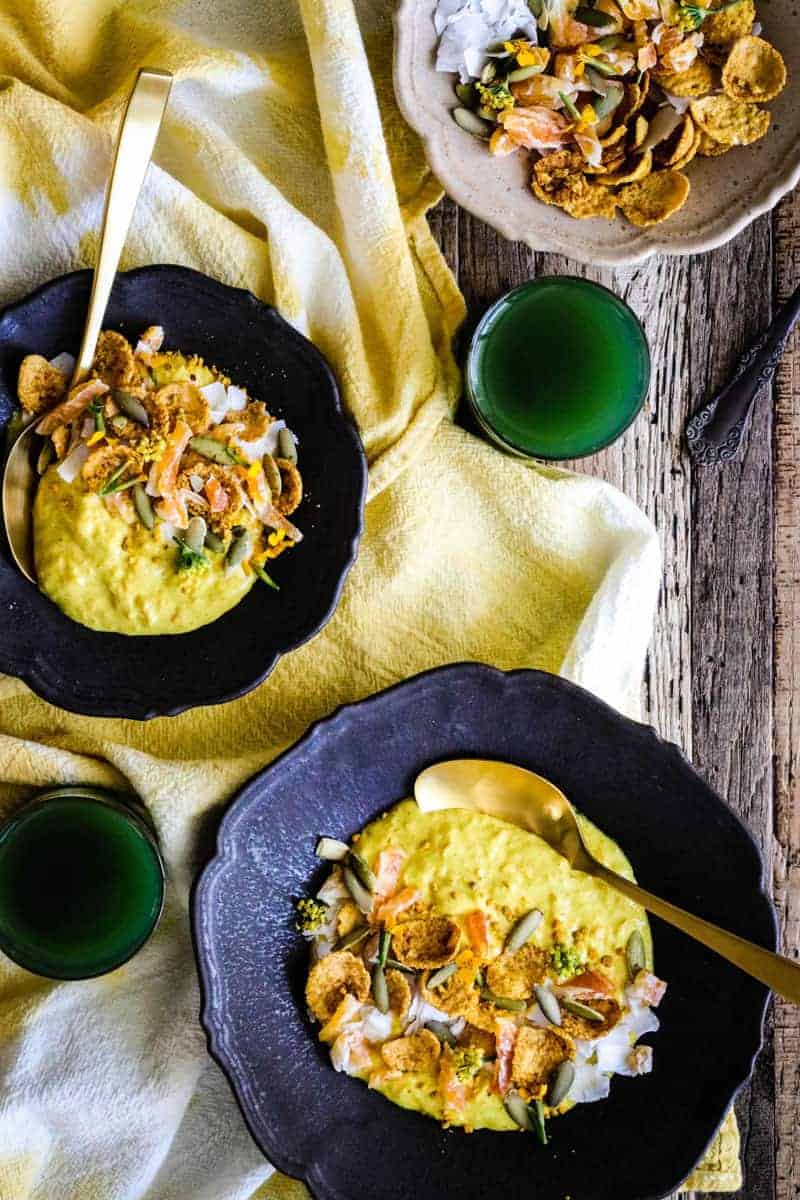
[[137, 137], [522, 798]]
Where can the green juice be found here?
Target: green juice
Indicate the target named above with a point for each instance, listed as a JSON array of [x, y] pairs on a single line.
[[557, 369], [81, 884]]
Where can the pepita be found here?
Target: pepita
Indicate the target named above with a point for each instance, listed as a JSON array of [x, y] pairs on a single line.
[[503, 1001], [443, 1032], [581, 1010], [548, 1003], [560, 1084], [214, 542], [359, 893], [471, 123], [287, 444], [272, 475], [398, 966], [537, 1112], [489, 72], [522, 73], [609, 100], [131, 406], [352, 938], [466, 94], [331, 849], [144, 509], [518, 1110], [239, 548], [214, 451], [362, 870], [195, 535], [380, 991], [524, 930], [442, 975], [635, 955]]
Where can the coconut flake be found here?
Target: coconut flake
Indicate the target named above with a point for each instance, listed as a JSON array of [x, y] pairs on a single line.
[[65, 363], [267, 444], [167, 531], [71, 466], [237, 398], [468, 28], [217, 397], [376, 1026]]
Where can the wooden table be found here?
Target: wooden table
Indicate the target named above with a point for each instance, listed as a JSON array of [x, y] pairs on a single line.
[[723, 676]]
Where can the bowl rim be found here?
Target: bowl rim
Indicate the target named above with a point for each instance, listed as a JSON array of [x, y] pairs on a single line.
[[644, 243], [223, 855], [34, 670]]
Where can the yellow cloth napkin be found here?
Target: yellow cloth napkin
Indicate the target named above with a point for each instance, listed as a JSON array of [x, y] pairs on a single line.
[[276, 171]]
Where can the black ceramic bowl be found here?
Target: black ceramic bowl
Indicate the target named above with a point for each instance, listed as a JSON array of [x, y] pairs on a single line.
[[110, 675], [348, 1143]]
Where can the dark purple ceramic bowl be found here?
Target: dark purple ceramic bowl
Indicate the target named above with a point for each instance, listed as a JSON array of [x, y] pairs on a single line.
[[348, 1143], [106, 674]]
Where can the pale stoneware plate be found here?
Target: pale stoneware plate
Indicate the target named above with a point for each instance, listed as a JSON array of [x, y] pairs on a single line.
[[727, 192]]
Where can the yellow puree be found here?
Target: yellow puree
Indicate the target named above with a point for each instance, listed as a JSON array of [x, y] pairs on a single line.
[[462, 861], [122, 578]]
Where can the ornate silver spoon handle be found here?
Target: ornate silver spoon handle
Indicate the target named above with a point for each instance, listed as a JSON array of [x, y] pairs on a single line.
[[714, 432]]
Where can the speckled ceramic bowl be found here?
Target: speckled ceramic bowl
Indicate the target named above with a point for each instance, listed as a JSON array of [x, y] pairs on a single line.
[[348, 1143], [727, 192]]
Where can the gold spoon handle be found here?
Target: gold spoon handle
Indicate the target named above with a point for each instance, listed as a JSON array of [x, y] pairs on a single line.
[[137, 137], [779, 973]]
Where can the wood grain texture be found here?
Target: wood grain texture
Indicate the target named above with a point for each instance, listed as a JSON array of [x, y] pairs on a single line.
[[723, 673]]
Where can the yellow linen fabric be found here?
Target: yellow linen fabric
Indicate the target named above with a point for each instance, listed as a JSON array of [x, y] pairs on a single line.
[[276, 171]]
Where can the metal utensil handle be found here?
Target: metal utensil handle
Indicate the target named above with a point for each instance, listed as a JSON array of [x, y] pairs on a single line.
[[779, 973], [714, 433], [137, 138]]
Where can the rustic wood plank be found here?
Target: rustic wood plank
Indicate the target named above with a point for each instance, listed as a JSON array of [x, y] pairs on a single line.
[[710, 674], [787, 701], [732, 605]]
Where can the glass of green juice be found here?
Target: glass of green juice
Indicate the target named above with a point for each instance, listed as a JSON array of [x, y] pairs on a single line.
[[557, 368], [82, 882]]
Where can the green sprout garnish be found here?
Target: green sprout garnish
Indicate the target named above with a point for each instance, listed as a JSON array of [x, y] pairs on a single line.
[[96, 409], [311, 914], [467, 1061], [264, 577], [115, 483], [569, 106], [565, 961], [189, 559], [692, 15]]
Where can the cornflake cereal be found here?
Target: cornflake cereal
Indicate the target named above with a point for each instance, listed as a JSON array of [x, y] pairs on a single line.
[[613, 98]]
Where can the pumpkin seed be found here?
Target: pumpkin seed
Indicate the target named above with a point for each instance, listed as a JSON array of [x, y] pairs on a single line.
[[560, 1084], [359, 893], [362, 870], [214, 542], [489, 73], [46, 456], [443, 1032], [272, 475], [609, 100], [610, 42], [503, 1001], [603, 68], [379, 989], [398, 966], [523, 73], [581, 1010], [548, 1003], [195, 535], [144, 509], [524, 930], [471, 123], [569, 106], [592, 16], [353, 937], [537, 1112], [466, 94], [442, 975], [518, 1110], [634, 954], [214, 451], [131, 406], [383, 947], [331, 849], [287, 444], [536, 7], [239, 548]]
